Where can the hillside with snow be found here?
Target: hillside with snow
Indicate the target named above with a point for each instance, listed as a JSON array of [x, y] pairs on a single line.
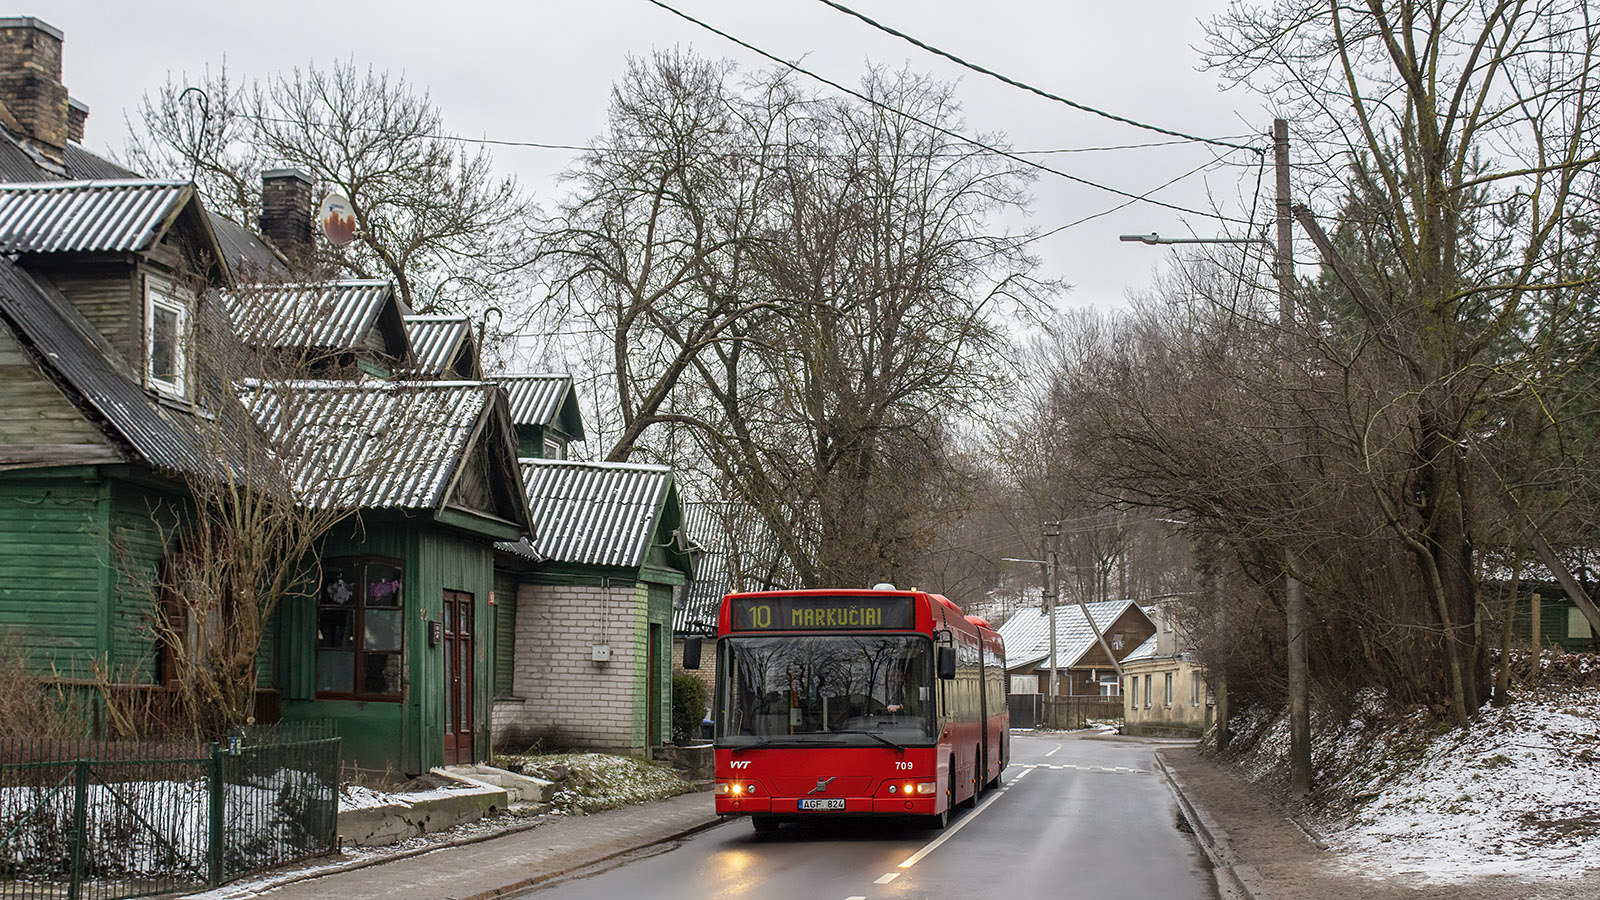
[[1407, 797]]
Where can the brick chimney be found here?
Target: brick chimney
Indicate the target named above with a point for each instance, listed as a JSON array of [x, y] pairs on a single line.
[[286, 214], [30, 83], [77, 118]]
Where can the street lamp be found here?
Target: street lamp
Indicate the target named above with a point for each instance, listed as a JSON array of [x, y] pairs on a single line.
[[1153, 239]]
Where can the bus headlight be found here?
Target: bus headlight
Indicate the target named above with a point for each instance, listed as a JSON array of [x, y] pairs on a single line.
[[926, 787]]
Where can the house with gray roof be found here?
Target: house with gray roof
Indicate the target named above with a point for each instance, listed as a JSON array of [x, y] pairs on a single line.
[[114, 412], [592, 621], [1081, 668], [544, 407]]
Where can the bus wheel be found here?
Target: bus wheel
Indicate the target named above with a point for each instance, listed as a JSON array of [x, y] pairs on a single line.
[[764, 824]]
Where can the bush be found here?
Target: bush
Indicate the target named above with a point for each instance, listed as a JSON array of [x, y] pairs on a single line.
[[688, 707]]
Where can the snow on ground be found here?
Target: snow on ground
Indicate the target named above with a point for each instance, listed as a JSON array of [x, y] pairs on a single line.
[[1512, 794], [598, 781], [1410, 799]]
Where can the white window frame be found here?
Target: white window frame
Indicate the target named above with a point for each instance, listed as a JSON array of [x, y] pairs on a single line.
[[554, 449], [160, 295], [1169, 690]]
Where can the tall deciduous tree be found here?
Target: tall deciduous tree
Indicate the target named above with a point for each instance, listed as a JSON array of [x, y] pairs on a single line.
[[431, 214], [1470, 127]]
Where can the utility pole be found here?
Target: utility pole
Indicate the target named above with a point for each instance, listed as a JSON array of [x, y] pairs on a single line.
[[1052, 537], [1294, 593]]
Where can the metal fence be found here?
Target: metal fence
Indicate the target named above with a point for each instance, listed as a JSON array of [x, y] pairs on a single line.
[[1064, 713], [112, 819]]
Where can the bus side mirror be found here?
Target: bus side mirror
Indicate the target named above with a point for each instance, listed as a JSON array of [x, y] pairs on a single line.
[[691, 652], [945, 661]]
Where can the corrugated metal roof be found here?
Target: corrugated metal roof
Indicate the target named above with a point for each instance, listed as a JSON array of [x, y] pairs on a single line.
[[536, 398], [83, 165], [1146, 650], [1027, 632], [246, 254], [436, 341], [374, 445], [87, 216], [67, 344], [331, 316], [599, 514]]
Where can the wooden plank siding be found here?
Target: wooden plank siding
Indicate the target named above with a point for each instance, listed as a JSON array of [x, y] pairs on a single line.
[[51, 536], [410, 734], [38, 425], [111, 297]]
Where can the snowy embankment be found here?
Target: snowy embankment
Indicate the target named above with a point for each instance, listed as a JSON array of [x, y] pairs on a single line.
[[1512, 794]]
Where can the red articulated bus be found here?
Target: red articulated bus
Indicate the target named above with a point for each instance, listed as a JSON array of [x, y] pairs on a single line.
[[875, 702]]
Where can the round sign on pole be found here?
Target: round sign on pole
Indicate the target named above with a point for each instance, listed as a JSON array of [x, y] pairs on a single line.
[[338, 220]]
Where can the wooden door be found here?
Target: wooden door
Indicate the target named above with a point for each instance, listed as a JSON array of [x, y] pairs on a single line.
[[458, 657]]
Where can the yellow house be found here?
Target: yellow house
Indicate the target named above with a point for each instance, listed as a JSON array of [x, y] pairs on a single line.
[[1163, 688]]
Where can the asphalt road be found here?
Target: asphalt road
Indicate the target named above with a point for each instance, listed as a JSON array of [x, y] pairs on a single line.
[[1077, 816]]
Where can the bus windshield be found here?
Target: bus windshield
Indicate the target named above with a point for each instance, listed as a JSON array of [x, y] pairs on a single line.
[[826, 689]]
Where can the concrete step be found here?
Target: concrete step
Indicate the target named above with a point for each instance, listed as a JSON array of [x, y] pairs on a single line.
[[519, 788]]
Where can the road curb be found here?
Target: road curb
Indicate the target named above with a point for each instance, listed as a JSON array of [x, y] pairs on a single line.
[[532, 881], [1234, 879]]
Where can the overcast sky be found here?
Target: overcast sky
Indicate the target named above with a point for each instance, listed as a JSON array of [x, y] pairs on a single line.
[[542, 71]]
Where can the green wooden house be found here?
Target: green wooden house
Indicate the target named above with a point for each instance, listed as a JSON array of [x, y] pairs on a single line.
[[397, 645], [97, 425], [544, 408], [591, 645]]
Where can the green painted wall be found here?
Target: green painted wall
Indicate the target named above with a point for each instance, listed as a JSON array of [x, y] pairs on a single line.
[[52, 589], [407, 736], [78, 556]]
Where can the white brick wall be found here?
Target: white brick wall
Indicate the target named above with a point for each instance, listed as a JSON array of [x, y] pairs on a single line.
[[563, 698]]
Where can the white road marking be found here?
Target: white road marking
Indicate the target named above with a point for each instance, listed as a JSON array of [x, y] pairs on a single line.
[[1110, 770], [1053, 752], [951, 831], [855, 898], [886, 877]]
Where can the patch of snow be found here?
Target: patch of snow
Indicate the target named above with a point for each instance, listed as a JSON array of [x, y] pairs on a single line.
[[1511, 794]]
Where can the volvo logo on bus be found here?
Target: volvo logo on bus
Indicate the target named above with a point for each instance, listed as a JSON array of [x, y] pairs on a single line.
[[822, 784]]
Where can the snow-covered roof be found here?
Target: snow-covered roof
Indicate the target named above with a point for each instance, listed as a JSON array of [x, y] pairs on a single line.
[[1146, 650], [1027, 632]]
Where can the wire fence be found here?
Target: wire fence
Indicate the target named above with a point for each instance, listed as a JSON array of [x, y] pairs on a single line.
[[1062, 713], [112, 819]]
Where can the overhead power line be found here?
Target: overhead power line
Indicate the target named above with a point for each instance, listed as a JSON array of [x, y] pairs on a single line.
[[604, 148], [1033, 90], [955, 135]]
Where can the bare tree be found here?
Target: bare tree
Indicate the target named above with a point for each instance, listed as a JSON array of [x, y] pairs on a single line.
[[1468, 130], [431, 214]]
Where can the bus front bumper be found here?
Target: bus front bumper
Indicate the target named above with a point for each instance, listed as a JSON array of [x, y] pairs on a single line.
[[853, 806]]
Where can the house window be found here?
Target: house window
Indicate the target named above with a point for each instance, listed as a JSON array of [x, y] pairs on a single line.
[[166, 340], [1148, 690], [1116, 641], [1194, 688], [554, 449], [1169, 688], [1133, 691], [360, 627]]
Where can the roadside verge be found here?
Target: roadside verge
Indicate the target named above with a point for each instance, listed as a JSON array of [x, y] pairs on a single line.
[[1235, 880]]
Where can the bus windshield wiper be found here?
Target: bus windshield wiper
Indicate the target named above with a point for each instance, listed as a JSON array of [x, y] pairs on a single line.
[[791, 740], [871, 734]]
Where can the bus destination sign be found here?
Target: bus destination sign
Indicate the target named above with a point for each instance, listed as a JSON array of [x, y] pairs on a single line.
[[789, 612]]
